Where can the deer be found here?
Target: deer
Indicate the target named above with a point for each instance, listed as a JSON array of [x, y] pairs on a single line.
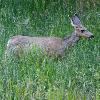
[[56, 46]]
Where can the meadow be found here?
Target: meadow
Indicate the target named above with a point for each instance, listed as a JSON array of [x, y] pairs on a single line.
[[36, 77]]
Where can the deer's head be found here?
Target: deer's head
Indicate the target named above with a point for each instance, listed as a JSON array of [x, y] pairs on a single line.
[[80, 30]]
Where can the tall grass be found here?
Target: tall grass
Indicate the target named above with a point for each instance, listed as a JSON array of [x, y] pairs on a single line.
[[74, 77]]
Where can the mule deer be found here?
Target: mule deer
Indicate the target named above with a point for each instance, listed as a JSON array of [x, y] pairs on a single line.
[[49, 45]]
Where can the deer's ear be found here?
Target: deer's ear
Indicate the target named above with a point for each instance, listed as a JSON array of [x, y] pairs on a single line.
[[75, 21]]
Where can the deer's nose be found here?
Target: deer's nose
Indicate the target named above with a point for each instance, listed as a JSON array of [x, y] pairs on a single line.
[[92, 36]]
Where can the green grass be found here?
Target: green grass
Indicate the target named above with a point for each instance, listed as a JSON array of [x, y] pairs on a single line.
[[74, 77]]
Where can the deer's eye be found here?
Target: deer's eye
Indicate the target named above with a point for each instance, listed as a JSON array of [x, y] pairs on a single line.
[[82, 31]]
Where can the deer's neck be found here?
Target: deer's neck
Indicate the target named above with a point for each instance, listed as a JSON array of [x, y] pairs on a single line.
[[71, 40]]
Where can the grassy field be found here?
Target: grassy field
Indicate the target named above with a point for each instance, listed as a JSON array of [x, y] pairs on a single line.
[[35, 77]]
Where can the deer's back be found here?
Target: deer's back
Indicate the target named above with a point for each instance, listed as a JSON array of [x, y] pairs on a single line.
[[51, 45]]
